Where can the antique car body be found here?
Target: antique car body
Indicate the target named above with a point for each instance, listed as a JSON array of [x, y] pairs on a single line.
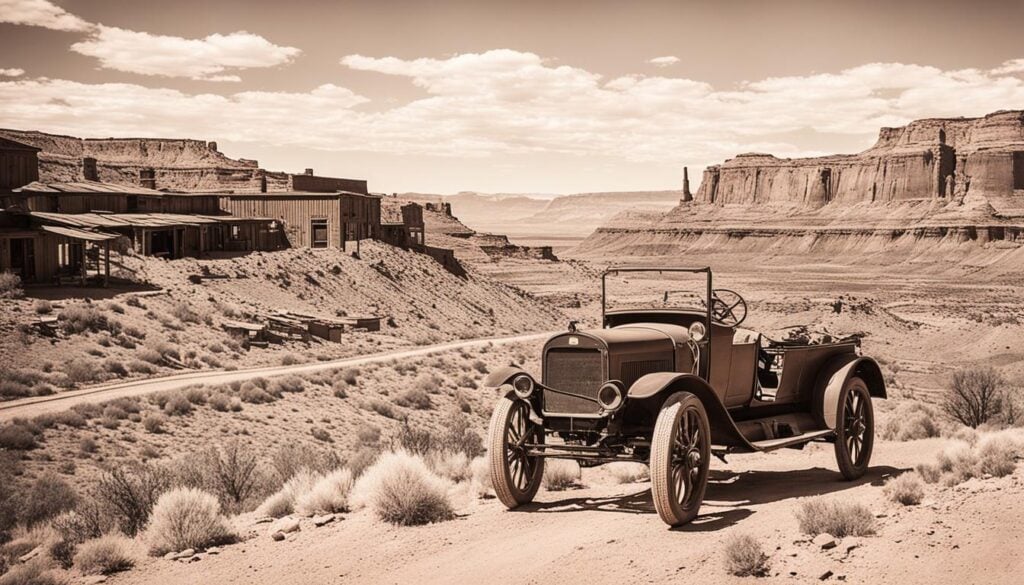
[[669, 387]]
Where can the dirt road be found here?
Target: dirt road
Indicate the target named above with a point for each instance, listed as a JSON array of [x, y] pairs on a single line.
[[607, 533], [29, 407]]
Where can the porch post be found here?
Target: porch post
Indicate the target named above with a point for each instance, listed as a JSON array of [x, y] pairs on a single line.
[[106, 263], [83, 261]]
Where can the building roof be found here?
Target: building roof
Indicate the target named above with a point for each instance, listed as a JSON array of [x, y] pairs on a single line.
[[78, 234], [122, 220], [298, 195], [8, 144], [88, 187]]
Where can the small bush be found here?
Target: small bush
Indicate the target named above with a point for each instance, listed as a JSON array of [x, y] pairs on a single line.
[[34, 572], [382, 408], [141, 367], [186, 518], [220, 402], [115, 367], [10, 286], [906, 489], [415, 398], [85, 318], [911, 421], [321, 434], [399, 488], [340, 388], [744, 556], [289, 460], [628, 472], [290, 359], [283, 502], [350, 376], [997, 455], [87, 445], [185, 313], [17, 437], [178, 405], [286, 384], [840, 519], [80, 371], [453, 465], [129, 494], [976, 396], [42, 307], [105, 555], [154, 423], [561, 474], [254, 394], [46, 497], [328, 495], [481, 470]]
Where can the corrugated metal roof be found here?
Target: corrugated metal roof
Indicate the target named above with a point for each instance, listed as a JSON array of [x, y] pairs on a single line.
[[115, 220], [78, 234], [87, 187]]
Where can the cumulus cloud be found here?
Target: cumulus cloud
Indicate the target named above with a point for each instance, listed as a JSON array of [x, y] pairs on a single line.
[[40, 13], [664, 61], [508, 102], [13, 72], [168, 56]]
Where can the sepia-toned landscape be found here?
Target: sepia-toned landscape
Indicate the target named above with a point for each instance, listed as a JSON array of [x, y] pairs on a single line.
[[216, 370]]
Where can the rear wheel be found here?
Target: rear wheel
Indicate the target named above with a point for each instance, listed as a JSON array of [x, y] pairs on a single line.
[[855, 429], [680, 459], [516, 475]]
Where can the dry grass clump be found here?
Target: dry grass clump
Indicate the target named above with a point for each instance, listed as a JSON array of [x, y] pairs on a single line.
[[42, 307], [992, 455], [17, 437], [453, 465], [628, 471], [561, 474], [912, 420], [416, 398], [401, 489], [840, 519], [10, 286], [105, 555], [481, 480], [906, 489], [35, 572], [328, 495], [744, 556], [282, 503], [86, 318], [186, 518]]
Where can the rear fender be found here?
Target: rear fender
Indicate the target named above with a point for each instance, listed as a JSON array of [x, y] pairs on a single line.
[[655, 391], [833, 376]]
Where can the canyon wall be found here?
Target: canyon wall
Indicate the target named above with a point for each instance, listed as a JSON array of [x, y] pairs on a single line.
[[930, 186]]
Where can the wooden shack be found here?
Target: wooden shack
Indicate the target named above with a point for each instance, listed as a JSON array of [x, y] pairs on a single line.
[[312, 220], [54, 254], [19, 165]]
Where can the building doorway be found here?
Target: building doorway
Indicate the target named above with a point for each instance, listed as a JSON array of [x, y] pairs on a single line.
[[23, 258], [318, 233], [1018, 170]]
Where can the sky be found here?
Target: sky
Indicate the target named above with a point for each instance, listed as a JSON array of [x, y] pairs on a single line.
[[526, 97]]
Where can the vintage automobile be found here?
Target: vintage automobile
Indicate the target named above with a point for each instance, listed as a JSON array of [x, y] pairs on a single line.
[[670, 387]]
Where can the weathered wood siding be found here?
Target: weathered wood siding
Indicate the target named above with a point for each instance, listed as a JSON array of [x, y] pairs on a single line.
[[294, 212], [17, 168]]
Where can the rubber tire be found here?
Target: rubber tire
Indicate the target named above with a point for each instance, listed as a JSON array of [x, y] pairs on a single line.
[[665, 502], [501, 477], [846, 464]]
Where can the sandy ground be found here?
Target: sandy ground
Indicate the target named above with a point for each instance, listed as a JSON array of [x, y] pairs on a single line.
[[609, 533], [31, 407]]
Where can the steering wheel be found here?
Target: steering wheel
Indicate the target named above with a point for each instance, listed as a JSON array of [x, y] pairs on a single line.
[[728, 307]]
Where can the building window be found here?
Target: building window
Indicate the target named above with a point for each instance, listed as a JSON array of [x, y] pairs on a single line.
[[318, 233], [236, 232]]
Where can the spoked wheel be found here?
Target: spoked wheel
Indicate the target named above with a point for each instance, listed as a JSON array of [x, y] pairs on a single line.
[[855, 429], [680, 459], [515, 474]]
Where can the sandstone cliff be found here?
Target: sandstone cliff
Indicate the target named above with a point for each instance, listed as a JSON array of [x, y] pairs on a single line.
[[933, 182]]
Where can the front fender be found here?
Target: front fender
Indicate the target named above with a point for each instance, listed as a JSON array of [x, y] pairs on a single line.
[[502, 376], [833, 376], [655, 390]]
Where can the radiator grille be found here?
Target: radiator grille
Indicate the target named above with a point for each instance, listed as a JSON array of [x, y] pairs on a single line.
[[579, 371], [632, 371]]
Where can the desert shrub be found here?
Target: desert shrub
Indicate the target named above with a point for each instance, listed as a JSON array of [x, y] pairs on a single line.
[[382, 408], [42, 307], [46, 497], [399, 488], [17, 437], [480, 366], [997, 455], [975, 396], [254, 394], [350, 376], [154, 422], [744, 556], [906, 489], [290, 359], [80, 371], [87, 445], [362, 459], [178, 405], [220, 402], [560, 474], [328, 495], [481, 479], [70, 418], [85, 318], [415, 398], [234, 473], [130, 493], [186, 518], [289, 460], [10, 389], [628, 472], [340, 389], [840, 519], [115, 367], [149, 356], [184, 313], [912, 420], [321, 434], [286, 384], [105, 555], [368, 434], [283, 502], [10, 286], [453, 465], [35, 572], [141, 367]]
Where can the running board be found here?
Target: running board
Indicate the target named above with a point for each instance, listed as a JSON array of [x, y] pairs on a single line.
[[772, 444]]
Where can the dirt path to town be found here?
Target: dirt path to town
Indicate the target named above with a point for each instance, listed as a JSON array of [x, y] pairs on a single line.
[[607, 533], [35, 406]]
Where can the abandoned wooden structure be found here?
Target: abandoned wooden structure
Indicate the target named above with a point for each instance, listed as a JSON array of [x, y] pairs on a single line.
[[402, 225], [54, 254]]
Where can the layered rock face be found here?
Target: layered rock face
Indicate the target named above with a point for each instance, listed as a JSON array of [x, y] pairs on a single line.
[[934, 181], [178, 165]]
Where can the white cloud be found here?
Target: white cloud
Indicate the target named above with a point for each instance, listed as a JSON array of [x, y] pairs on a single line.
[[40, 13], [1011, 66], [13, 72], [508, 102], [664, 61], [149, 54]]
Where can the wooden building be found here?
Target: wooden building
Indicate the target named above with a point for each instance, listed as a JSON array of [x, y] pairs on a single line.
[[19, 164], [95, 196], [53, 254], [402, 225], [312, 220]]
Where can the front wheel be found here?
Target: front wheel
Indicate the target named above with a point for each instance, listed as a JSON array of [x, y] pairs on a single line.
[[515, 474], [855, 429], [680, 459]]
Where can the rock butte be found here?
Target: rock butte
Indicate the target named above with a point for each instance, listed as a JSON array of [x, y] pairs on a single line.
[[945, 181]]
